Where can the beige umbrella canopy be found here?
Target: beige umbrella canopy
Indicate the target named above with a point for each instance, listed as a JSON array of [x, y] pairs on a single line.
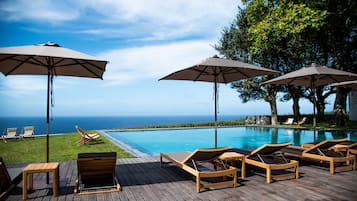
[[312, 76], [348, 84], [219, 70], [42, 58], [52, 60]]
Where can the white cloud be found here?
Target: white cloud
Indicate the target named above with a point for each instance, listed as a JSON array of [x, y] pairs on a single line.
[[163, 12], [38, 10], [21, 85], [161, 20], [145, 20], [153, 62], [16, 86]]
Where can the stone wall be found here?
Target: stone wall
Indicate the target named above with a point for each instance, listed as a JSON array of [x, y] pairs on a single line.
[[258, 120]]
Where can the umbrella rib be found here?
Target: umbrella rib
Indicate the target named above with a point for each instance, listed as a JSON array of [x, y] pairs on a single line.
[[220, 72], [17, 66], [8, 57], [38, 62], [200, 72], [88, 69], [331, 77], [241, 72]]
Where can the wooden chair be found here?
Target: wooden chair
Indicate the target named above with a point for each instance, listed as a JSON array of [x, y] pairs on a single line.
[[193, 164], [28, 132], [325, 152], [96, 173], [269, 158], [85, 137], [6, 184], [10, 133]]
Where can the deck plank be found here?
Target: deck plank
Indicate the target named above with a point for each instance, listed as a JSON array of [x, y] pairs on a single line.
[[142, 179]]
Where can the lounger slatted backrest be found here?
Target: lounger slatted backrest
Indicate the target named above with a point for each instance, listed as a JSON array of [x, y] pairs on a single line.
[[5, 181], [28, 131], [11, 132], [268, 149], [323, 146], [96, 173], [202, 155], [92, 166]]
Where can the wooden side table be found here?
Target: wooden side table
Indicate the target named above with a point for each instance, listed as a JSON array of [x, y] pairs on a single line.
[[232, 156], [40, 168]]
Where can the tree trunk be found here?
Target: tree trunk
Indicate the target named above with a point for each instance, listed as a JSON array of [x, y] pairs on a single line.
[[296, 107], [341, 97], [320, 111], [320, 105], [274, 112]]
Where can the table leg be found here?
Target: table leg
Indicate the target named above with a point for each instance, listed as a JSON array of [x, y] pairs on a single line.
[[243, 168], [30, 175], [55, 182], [24, 186]]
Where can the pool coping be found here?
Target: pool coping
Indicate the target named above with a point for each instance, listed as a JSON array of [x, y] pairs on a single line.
[[131, 150]]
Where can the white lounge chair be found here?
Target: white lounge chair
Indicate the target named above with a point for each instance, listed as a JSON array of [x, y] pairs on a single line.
[[9, 134], [28, 132], [303, 120], [289, 121]]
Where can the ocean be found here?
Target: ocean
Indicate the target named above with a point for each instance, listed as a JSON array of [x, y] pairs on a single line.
[[66, 124]]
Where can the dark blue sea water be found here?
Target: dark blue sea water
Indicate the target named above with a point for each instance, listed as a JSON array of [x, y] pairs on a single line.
[[66, 124]]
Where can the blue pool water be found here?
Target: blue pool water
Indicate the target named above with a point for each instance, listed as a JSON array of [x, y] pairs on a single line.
[[155, 141]]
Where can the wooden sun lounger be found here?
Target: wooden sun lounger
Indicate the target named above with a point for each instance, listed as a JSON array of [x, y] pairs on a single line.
[[85, 137], [325, 151], [96, 173], [191, 163], [6, 184], [352, 148], [268, 158]]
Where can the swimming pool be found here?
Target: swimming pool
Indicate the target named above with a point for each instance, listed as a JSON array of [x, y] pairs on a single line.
[[152, 142]]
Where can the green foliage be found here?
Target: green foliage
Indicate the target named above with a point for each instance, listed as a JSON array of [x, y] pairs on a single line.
[[252, 89], [62, 148], [286, 35], [283, 23]]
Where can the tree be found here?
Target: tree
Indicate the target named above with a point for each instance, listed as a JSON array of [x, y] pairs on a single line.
[[253, 90], [293, 93], [321, 95], [338, 38], [270, 33]]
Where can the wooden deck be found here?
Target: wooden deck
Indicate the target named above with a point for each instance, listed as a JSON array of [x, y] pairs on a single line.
[[143, 179]]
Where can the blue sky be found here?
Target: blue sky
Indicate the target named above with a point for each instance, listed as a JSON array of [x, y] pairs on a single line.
[[143, 40]]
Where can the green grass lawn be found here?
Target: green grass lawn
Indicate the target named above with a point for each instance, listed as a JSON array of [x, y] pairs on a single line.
[[62, 148]]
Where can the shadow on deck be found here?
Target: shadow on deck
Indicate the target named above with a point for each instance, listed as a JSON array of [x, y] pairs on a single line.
[[143, 179]]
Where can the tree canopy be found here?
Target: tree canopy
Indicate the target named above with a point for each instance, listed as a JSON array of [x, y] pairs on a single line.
[[286, 35]]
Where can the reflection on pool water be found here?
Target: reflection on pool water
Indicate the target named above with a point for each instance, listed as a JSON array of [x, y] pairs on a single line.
[[152, 142]]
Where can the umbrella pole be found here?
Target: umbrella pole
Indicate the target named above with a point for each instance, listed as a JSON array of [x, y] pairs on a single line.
[[48, 120], [215, 114], [314, 114]]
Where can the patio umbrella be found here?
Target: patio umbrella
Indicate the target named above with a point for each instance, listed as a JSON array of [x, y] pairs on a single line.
[[52, 60], [218, 70], [348, 84], [313, 76]]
